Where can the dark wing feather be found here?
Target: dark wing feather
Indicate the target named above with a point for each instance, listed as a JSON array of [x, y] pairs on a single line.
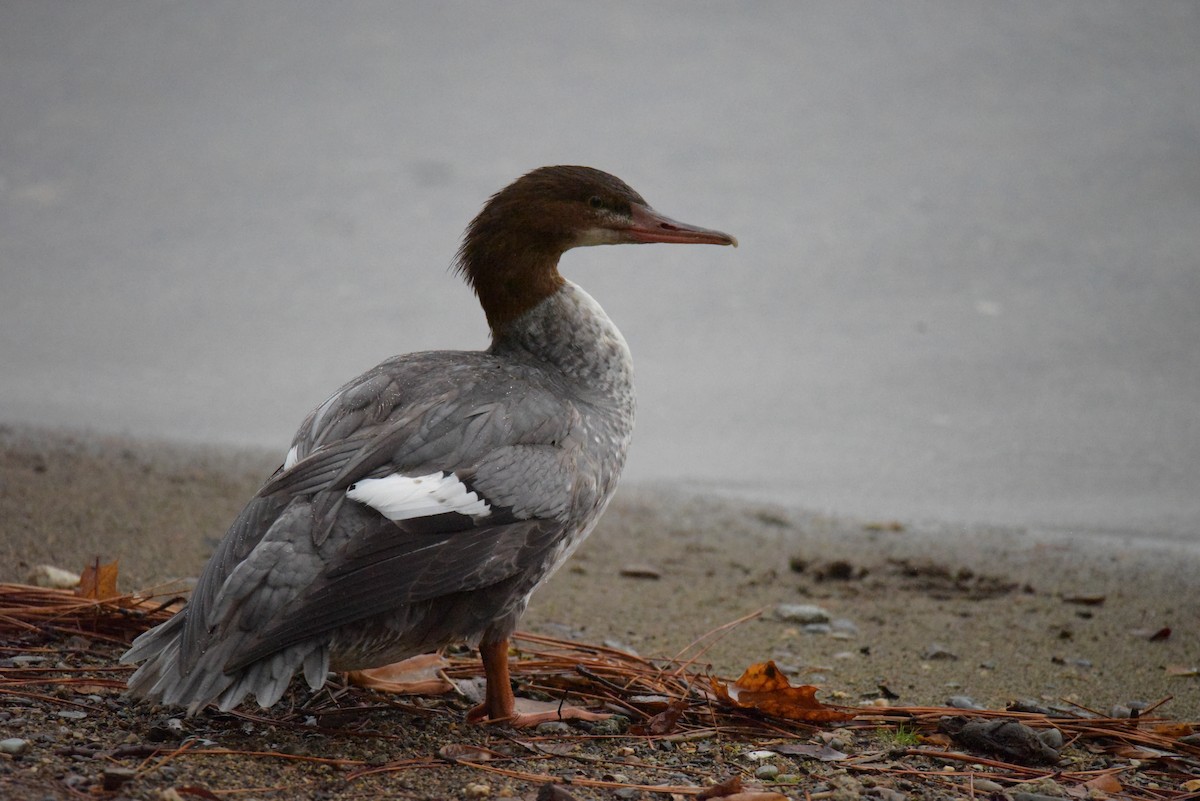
[[398, 570], [370, 565]]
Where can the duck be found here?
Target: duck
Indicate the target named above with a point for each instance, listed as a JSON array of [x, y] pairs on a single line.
[[424, 501]]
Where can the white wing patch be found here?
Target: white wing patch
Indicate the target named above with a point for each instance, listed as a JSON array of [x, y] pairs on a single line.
[[399, 497], [292, 457]]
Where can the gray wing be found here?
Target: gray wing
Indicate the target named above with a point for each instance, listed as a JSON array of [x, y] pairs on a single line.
[[302, 559]]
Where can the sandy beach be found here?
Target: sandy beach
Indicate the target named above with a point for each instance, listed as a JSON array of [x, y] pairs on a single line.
[[918, 611]]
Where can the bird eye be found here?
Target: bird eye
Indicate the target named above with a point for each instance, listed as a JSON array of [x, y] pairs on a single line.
[[595, 202]]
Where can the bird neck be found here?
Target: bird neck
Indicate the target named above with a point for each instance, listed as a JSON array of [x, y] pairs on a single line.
[[569, 332]]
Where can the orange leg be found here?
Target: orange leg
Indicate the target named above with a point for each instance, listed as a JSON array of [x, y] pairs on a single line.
[[499, 705]]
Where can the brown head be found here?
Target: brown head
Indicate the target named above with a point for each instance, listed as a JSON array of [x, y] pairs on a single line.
[[510, 251]]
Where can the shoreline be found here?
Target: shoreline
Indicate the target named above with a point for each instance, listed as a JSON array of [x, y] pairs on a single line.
[[926, 610]]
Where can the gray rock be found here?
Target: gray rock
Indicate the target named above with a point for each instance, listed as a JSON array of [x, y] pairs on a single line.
[[843, 628], [766, 772], [801, 613], [938, 651], [1052, 738], [14, 746]]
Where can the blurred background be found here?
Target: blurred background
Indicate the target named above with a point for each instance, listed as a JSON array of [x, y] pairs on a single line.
[[968, 288]]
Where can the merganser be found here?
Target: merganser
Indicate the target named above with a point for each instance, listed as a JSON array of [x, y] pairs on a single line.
[[425, 501]]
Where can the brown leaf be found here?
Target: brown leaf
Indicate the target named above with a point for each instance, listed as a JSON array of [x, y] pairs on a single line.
[[1105, 783], [664, 722], [1183, 670], [763, 687], [98, 582], [1127, 751], [728, 787], [1191, 786], [1172, 730], [418, 675], [199, 792]]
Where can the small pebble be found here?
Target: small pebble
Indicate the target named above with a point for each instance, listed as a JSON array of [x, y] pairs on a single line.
[[766, 772], [27, 659], [963, 702], [477, 790], [14, 746], [52, 577], [115, 778], [801, 613], [1052, 738], [938, 651], [553, 727], [1030, 705], [843, 628], [72, 714], [987, 785]]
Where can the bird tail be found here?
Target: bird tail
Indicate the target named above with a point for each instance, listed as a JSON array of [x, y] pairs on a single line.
[[164, 677]]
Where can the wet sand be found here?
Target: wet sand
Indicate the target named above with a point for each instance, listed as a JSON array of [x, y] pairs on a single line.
[[936, 611]]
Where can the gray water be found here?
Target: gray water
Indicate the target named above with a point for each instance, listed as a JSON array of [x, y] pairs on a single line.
[[968, 287]]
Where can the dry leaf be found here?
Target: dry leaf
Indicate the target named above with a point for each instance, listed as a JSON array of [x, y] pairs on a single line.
[[1172, 730], [1105, 783], [418, 675], [728, 787], [1187, 671], [664, 722], [98, 582], [1126, 751], [1191, 785], [763, 687]]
